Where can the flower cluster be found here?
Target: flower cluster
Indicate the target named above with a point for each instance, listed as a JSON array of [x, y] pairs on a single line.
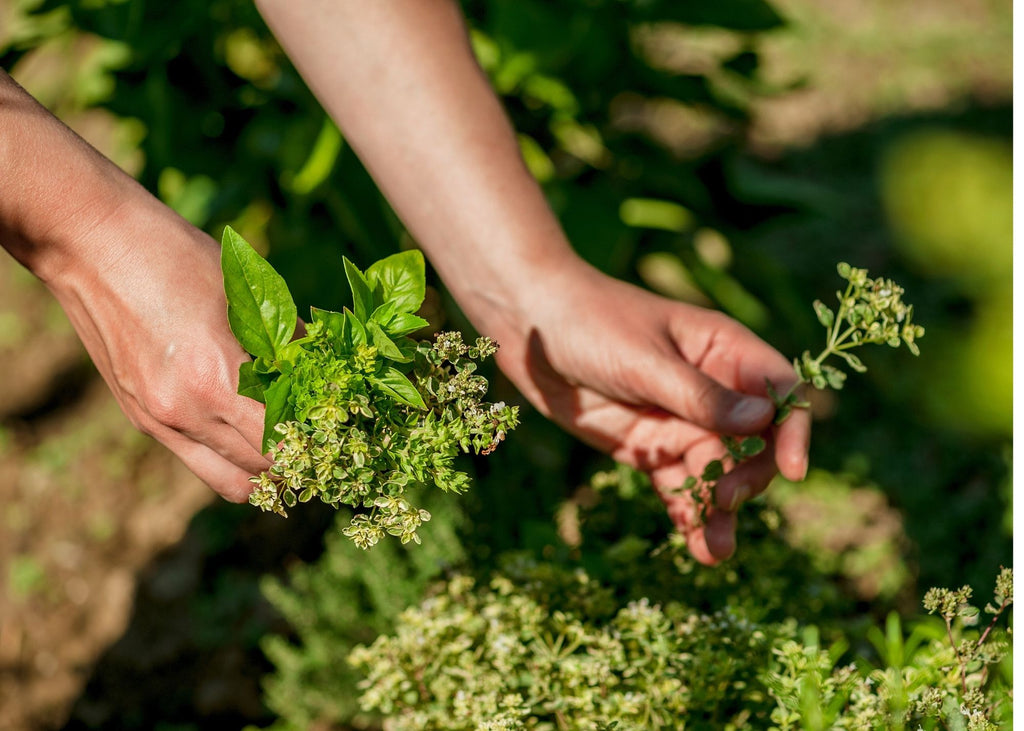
[[351, 443]]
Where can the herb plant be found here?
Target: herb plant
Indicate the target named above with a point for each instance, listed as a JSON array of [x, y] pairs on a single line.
[[871, 311], [358, 413]]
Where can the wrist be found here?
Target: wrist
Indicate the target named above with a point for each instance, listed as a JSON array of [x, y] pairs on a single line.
[[502, 287]]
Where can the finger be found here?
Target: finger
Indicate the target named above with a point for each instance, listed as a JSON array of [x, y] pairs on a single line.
[[720, 534], [792, 445], [227, 442], [228, 480], [693, 396], [746, 480], [246, 416], [682, 511]]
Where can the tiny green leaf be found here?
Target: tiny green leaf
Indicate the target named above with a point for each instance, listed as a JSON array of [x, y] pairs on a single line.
[[261, 311], [752, 446], [362, 292], [393, 383], [854, 361], [384, 313], [403, 279], [834, 376], [825, 316], [713, 471], [732, 446]]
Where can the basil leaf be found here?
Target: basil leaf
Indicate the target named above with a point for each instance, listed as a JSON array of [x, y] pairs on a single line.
[[396, 385], [404, 323], [383, 314], [261, 311], [385, 346], [403, 279], [356, 329], [362, 292], [336, 324], [250, 384], [279, 409]]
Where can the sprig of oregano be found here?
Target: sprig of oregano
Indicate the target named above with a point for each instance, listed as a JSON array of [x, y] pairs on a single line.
[[871, 311], [358, 412]]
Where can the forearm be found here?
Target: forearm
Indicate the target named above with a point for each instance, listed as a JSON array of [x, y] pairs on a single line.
[[54, 187], [400, 79]]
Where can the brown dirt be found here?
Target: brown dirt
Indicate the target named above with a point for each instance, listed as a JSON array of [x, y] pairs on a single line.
[[87, 502]]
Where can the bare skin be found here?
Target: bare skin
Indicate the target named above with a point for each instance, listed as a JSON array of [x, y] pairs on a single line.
[[651, 381]]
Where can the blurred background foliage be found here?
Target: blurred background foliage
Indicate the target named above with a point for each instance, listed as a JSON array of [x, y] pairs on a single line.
[[724, 153]]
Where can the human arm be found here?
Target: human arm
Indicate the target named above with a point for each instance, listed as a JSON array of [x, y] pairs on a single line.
[[140, 285], [651, 381]]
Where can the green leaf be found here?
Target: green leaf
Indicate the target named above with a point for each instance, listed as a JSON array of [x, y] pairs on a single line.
[[782, 414], [383, 314], [403, 279], [362, 292], [356, 329], [385, 346], [732, 446], [854, 361], [404, 323], [265, 366], [261, 311], [752, 446], [279, 409], [834, 376], [825, 316], [713, 471], [396, 385], [689, 483], [250, 384]]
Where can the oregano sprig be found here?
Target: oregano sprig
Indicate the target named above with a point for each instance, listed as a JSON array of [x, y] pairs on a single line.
[[871, 311], [358, 413]]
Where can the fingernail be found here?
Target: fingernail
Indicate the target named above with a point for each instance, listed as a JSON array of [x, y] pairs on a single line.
[[750, 411], [739, 495]]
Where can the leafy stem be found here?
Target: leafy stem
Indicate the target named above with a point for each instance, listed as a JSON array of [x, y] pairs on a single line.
[[870, 312]]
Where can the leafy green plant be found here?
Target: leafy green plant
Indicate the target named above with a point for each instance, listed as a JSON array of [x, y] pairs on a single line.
[[357, 411], [933, 679]]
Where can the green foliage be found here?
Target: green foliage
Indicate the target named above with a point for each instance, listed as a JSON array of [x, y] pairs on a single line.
[[929, 680], [344, 423], [347, 598]]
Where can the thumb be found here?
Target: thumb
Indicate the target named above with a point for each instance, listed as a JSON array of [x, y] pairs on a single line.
[[697, 398]]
